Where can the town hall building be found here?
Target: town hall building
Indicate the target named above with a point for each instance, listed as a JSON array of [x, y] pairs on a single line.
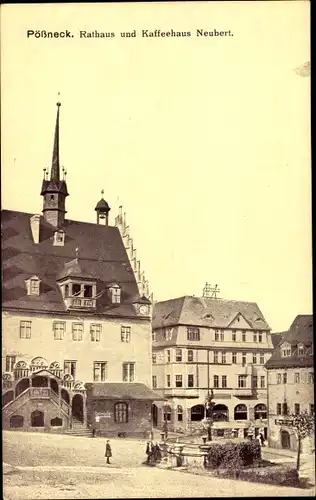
[[76, 323]]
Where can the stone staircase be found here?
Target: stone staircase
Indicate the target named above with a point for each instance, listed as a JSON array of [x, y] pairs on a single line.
[[79, 429]]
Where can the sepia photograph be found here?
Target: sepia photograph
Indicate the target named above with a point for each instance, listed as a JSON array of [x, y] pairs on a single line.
[[157, 318]]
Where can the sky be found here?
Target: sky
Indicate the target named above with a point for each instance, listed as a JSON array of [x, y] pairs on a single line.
[[205, 141]]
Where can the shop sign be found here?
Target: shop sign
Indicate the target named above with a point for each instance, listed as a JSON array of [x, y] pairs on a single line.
[[281, 421]]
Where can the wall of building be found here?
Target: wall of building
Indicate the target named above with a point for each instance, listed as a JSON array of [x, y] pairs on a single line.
[[292, 392], [50, 411], [85, 352]]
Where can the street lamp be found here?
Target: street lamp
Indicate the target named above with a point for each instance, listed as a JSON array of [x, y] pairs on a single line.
[[208, 413]]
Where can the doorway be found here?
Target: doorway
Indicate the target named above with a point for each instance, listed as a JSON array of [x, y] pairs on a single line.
[[285, 439], [37, 419], [154, 414], [77, 407]]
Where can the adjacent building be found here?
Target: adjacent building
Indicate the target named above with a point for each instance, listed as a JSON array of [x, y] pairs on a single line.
[[76, 326], [202, 344], [290, 380]]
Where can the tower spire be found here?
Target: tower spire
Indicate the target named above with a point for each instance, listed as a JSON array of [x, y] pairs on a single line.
[[55, 171]]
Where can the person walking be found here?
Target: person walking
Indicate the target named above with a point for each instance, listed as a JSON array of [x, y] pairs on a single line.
[[108, 452], [262, 439], [149, 451]]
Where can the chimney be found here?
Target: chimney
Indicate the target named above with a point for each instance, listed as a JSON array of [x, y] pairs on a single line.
[[35, 227]]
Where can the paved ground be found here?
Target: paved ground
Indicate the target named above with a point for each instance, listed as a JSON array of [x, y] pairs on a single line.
[[43, 466]]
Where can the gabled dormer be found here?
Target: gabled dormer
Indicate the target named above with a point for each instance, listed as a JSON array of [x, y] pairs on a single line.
[[59, 238], [33, 285], [78, 287], [114, 293], [286, 350]]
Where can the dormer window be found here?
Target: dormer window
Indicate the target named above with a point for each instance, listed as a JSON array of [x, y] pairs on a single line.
[[286, 350], [115, 293], [59, 238], [300, 350], [33, 285]]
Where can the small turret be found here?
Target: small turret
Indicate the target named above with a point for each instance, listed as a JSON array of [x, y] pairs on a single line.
[[102, 208]]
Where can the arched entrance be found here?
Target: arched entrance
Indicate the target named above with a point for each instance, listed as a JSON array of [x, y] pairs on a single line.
[[39, 381], [285, 439], [21, 386], [260, 411], [65, 395], [197, 413], [54, 385], [37, 419], [154, 415], [240, 412], [220, 413], [77, 407]]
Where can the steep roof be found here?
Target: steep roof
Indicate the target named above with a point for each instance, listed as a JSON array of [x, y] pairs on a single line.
[[102, 256], [300, 332], [203, 311]]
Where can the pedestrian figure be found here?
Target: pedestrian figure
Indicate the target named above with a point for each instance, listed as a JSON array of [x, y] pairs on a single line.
[[149, 451], [165, 429], [262, 439], [157, 453], [108, 451], [93, 431]]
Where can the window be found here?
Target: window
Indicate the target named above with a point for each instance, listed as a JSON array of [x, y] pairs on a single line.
[[34, 287], [179, 355], [296, 408], [285, 409], [261, 359], [286, 351], [297, 378], [190, 380], [279, 378], [153, 336], [95, 332], [223, 358], [154, 358], [168, 356], [234, 358], [260, 337], [180, 413], [300, 350], [9, 363], [167, 413], [215, 357], [59, 237], [255, 337], [115, 294], [284, 378], [121, 413], [262, 381], [87, 291], [311, 378], [260, 411], [77, 331], [154, 381], [178, 380], [25, 329], [234, 337], [254, 359], [190, 356], [167, 333], [193, 333], [99, 371], [279, 409], [125, 333], [216, 381], [70, 368], [244, 336], [168, 381], [224, 381], [242, 381], [240, 412], [254, 381], [59, 328], [216, 335], [128, 372], [243, 358]]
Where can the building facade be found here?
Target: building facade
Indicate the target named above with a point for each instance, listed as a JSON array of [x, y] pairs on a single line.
[[290, 381], [204, 344], [76, 323]]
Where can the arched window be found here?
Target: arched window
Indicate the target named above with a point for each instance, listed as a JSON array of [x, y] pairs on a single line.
[[16, 421], [180, 413], [260, 411], [240, 412], [167, 413], [197, 413], [220, 413], [56, 422], [121, 413]]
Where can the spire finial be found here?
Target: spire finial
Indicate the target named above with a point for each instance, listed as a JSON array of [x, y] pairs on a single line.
[[77, 252], [58, 102], [102, 192]]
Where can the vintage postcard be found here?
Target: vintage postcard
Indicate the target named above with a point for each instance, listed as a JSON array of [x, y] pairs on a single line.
[[157, 322]]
